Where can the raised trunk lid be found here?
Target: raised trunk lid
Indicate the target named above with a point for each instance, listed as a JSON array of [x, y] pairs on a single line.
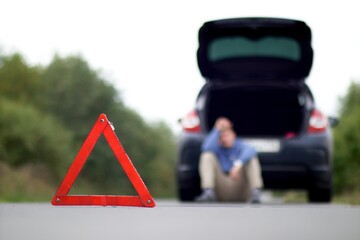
[[255, 49]]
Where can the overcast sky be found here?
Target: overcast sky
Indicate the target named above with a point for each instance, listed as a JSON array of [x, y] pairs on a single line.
[[147, 49]]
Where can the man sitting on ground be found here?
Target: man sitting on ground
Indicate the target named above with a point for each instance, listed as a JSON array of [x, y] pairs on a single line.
[[229, 168]]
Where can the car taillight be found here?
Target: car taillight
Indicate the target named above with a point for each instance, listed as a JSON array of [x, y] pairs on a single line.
[[318, 122], [191, 122]]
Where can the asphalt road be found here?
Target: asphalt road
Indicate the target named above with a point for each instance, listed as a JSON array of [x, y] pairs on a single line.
[[173, 220]]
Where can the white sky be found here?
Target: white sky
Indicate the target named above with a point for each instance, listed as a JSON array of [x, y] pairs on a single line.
[[147, 49]]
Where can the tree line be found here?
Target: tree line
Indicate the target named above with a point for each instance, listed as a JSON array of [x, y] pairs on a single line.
[[347, 142], [47, 112]]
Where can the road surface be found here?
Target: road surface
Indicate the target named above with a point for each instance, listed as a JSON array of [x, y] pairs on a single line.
[[173, 220]]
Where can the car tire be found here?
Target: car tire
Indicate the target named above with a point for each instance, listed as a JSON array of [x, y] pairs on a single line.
[[188, 194], [320, 195]]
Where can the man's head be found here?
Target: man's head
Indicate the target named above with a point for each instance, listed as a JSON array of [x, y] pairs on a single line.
[[227, 137], [227, 134]]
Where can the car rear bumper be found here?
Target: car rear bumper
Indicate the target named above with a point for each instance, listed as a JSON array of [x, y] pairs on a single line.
[[302, 162], [295, 177]]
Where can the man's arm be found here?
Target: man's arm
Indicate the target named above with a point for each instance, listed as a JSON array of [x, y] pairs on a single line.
[[246, 153], [211, 142]]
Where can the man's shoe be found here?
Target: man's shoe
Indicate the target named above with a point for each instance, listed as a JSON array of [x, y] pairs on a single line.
[[208, 195], [255, 196]]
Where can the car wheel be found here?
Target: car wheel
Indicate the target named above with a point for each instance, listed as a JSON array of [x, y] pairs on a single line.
[[320, 195], [188, 194]]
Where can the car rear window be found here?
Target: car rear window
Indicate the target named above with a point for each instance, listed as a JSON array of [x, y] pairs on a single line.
[[241, 47]]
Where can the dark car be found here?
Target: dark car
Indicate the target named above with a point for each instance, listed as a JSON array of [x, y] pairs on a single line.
[[255, 71]]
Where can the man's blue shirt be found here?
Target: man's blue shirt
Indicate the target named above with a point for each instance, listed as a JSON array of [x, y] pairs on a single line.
[[227, 156]]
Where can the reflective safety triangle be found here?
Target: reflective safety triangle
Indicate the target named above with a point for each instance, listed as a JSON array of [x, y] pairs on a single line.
[[103, 126]]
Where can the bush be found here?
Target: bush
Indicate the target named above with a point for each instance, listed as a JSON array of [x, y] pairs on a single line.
[[28, 136], [30, 182], [347, 143]]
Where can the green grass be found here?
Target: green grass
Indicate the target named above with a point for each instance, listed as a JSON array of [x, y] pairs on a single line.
[[348, 198], [34, 183], [28, 183], [352, 198]]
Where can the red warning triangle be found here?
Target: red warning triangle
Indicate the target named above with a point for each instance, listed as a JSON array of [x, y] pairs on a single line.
[[103, 126]]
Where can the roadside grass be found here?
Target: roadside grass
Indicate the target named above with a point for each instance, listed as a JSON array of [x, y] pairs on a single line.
[[352, 198], [295, 197], [28, 183], [348, 198], [34, 183]]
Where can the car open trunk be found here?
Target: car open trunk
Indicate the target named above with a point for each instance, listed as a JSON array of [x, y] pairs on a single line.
[[266, 111]]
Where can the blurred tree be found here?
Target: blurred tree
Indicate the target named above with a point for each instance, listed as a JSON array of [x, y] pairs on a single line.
[[76, 95], [47, 112], [163, 166], [29, 136], [18, 81], [26, 134], [351, 101], [347, 142]]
